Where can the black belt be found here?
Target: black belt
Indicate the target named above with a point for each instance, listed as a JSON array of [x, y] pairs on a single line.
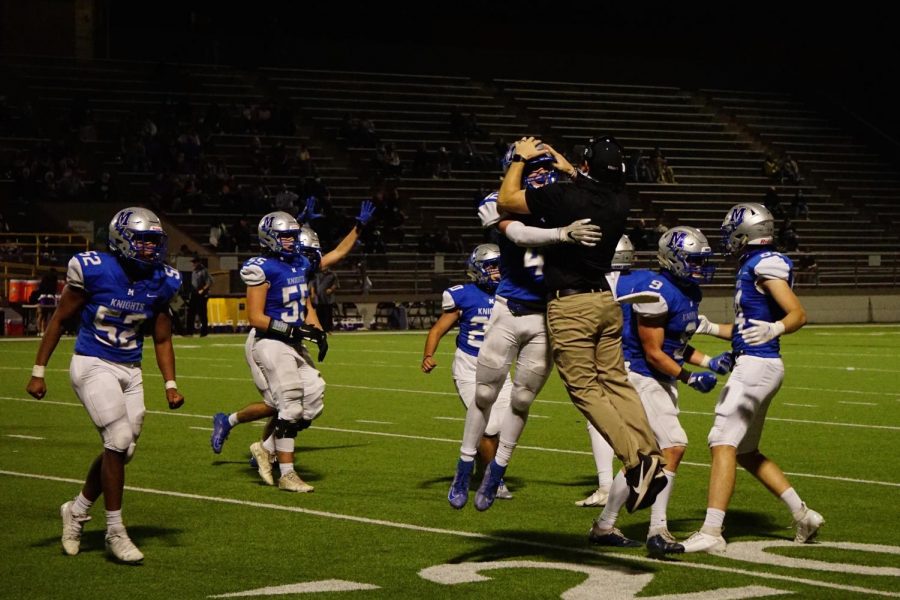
[[572, 291]]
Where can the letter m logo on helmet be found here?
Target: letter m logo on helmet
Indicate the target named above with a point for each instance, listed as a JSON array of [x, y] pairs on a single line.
[[677, 240], [122, 221], [267, 221], [737, 217]]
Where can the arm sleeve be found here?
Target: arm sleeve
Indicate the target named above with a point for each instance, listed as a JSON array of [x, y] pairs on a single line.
[[532, 237], [253, 275], [448, 302], [773, 267], [651, 309], [74, 274]]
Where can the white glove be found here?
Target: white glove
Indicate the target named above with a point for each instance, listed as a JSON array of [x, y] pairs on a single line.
[[762, 332], [580, 232], [706, 327]]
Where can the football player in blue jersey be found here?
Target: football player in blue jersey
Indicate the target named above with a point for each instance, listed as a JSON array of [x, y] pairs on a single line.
[[119, 296], [655, 341], [516, 331], [470, 305], [765, 308], [309, 247], [281, 315]]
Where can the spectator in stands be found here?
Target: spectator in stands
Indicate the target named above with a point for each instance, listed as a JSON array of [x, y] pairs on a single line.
[[365, 284], [305, 165], [240, 233], [788, 238], [773, 202], [444, 164], [799, 206], [656, 233], [638, 235], [105, 188], [423, 162], [368, 137], [807, 268], [45, 299], [393, 167], [771, 169], [790, 171], [663, 173], [286, 200]]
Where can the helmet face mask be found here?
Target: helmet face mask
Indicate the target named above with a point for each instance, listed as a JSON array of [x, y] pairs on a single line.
[[537, 172], [137, 236], [685, 252], [624, 255], [279, 234], [483, 266], [747, 224], [308, 245]]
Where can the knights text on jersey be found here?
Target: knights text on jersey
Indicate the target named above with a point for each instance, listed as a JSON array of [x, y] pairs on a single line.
[[521, 269], [678, 303], [112, 320], [751, 303], [288, 285], [475, 307]]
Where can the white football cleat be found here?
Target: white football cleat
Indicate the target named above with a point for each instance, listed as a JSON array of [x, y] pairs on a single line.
[[808, 525], [503, 492], [263, 464], [72, 525], [292, 483], [598, 498], [704, 542], [120, 546]]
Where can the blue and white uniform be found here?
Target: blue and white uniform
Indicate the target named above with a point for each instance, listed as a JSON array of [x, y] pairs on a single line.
[[516, 331], [284, 375], [106, 368], [475, 306], [677, 304], [758, 372]]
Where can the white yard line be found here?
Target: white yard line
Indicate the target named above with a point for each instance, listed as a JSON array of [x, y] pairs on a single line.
[[455, 441], [468, 534]]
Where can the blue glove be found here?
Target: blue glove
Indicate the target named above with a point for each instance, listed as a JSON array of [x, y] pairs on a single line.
[[722, 363], [309, 211], [702, 382], [366, 212]]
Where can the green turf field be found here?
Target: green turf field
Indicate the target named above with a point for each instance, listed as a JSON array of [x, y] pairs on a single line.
[[382, 455]]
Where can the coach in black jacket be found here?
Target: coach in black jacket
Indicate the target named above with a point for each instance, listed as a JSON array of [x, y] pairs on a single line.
[[584, 320]]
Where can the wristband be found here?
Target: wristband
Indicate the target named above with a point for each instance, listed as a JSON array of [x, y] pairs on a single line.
[[171, 385], [684, 375], [705, 362], [38, 371]]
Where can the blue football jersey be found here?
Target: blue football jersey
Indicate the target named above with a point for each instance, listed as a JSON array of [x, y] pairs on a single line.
[[678, 302], [117, 307], [521, 269], [288, 285], [475, 305], [750, 303]]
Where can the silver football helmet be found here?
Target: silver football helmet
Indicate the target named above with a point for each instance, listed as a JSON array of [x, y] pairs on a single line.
[[308, 245], [624, 256], [136, 234], [747, 224], [483, 264], [279, 233], [685, 253]]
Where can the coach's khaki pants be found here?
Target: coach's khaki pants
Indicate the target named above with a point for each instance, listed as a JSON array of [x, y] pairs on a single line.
[[586, 338]]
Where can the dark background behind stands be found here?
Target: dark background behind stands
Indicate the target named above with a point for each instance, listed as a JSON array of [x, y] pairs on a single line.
[[847, 59]]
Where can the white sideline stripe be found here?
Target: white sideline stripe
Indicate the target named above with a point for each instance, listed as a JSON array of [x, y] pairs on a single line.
[[807, 421], [201, 428], [24, 437], [857, 403], [449, 418], [466, 534], [456, 442], [309, 587], [374, 422], [801, 405]]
